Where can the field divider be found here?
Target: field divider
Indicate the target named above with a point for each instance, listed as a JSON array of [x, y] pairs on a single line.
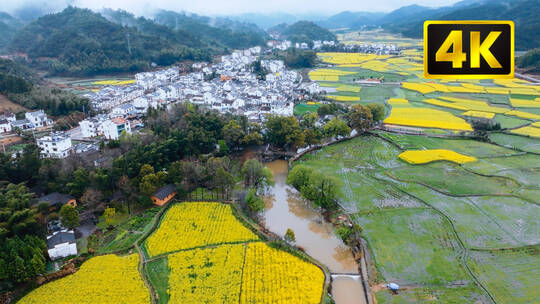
[[463, 249]]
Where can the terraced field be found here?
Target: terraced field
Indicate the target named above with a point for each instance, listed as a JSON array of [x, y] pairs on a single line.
[[455, 227], [438, 228]]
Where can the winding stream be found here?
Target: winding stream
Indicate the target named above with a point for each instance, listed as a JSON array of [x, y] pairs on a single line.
[[286, 209]]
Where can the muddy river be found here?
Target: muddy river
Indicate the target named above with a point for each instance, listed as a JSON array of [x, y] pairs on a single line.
[[286, 209]]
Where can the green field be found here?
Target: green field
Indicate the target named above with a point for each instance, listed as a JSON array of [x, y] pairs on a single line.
[[425, 224], [510, 276], [413, 246], [516, 142], [302, 108], [466, 294]]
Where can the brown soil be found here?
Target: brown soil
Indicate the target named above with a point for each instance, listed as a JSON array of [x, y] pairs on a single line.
[[10, 140], [7, 105]]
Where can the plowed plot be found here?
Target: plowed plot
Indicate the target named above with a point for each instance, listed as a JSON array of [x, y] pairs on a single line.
[[467, 294], [516, 141], [353, 164], [452, 179], [486, 221], [523, 168], [413, 246], [463, 146], [510, 276]]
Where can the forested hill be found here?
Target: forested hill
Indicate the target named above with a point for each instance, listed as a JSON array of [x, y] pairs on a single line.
[[303, 31], [409, 20], [530, 61], [231, 34], [81, 42], [8, 26]]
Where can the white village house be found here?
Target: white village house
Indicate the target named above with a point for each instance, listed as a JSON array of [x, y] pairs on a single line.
[[61, 244], [56, 145], [114, 127], [38, 119]]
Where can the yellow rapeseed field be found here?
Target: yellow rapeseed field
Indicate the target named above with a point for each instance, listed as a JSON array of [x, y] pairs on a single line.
[[427, 118], [524, 103], [348, 88], [445, 104], [343, 98], [522, 114], [474, 105], [113, 82], [190, 225], [479, 114], [102, 279], [419, 87], [528, 131], [327, 74], [348, 58], [536, 124], [426, 156], [274, 276], [211, 275], [397, 101]]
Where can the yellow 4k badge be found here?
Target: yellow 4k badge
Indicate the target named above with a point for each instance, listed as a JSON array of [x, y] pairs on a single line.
[[468, 49]]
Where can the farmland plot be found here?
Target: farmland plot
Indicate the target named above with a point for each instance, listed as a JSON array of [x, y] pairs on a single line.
[[103, 279], [212, 224], [454, 180], [485, 221], [510, 276], [413, 245]]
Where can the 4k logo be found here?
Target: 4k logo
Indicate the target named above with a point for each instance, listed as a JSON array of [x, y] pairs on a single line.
[[468, 49]]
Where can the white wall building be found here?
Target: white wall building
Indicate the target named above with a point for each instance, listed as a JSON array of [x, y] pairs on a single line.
[[38, 118], [61, 244], [5, 126], [56, 145], [114, 127]]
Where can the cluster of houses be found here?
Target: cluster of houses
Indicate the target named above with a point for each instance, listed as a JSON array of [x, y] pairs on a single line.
[[284, 45], [32, 120], [227, 86]]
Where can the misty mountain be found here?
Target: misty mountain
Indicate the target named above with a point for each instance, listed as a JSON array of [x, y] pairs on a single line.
[[266, 21], [349, 19], [302, 31], [524, 13], [82, 42], [408, 20], [229, 33], [8, 27], [79, 41]]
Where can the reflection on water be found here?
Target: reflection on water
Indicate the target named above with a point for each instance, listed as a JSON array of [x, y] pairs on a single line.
[[286, 209], [346, 290]]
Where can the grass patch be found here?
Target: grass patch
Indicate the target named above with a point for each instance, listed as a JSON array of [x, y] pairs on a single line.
[[510, 122], [413, 246], [126, 234], [439, 294], [510, 276], [516, 142], [463, 146], [158, 274], [454, 180]]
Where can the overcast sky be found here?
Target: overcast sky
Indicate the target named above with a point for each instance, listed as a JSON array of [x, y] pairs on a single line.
[[229, 7]]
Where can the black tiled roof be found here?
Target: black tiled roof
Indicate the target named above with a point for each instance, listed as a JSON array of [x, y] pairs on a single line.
[[165, 191], [56, 198], [60, 238]]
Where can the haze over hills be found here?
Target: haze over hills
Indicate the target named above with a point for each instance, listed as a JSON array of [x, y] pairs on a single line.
[[408, 20], [78, 41], [302, 31]]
